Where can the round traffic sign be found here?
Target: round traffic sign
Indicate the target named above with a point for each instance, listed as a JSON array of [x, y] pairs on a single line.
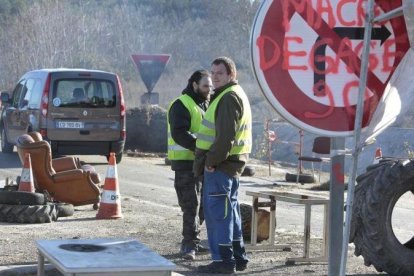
[[306, 57], [271, 135]]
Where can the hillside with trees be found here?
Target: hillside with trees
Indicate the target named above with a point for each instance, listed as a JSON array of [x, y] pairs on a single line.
[[104, 34]]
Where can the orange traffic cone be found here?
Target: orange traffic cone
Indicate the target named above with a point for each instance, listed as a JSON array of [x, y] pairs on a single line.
[[110, 206], [378, 155], [26, 178]]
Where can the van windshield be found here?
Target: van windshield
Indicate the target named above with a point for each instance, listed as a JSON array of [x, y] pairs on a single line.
[[84, 93]]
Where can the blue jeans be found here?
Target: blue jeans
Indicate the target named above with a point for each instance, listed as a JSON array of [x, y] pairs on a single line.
[[222, 217]]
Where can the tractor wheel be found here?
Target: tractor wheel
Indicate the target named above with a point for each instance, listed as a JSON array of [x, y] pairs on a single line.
[[376, 194], [28, 213], [21, 198], [262, 223]]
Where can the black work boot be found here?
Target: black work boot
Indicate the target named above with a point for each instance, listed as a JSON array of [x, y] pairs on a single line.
[[240, 256], [188, 253], [241, 266], [217, 268], [201, 250]]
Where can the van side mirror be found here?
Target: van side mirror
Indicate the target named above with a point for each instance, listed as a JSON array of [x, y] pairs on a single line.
[[5, 98]]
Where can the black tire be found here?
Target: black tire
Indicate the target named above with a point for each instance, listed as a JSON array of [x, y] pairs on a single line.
[[248, 171], [55, 154], [246, 217], [167, 161], [118, 158], [28, 213], [63, 209], [263, 223], [6, 147], [381, 163], [371, 227], [22, 198], [9, 188], [303, 178]]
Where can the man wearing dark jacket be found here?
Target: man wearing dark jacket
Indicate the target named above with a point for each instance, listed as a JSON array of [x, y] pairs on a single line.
[[184, 119], [223, 144]]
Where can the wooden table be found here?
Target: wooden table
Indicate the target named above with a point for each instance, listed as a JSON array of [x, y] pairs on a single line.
[[105, 256]]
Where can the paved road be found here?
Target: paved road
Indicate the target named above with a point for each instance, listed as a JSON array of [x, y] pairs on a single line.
[[139, 178]]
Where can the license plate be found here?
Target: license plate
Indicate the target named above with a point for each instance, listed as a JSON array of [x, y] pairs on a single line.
[[70, 125]]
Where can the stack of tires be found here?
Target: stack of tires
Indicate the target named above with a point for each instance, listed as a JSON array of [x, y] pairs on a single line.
[[26, 207]]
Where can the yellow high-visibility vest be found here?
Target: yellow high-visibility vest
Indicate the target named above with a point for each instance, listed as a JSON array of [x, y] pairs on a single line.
[[175, 151], [243, 140]]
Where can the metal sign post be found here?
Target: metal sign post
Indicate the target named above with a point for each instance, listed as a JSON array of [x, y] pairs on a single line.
[[336, 203], [369, 21], [357, 134]]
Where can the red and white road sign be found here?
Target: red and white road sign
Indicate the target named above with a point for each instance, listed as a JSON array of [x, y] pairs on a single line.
[[271, 135], [306, 56], [150, 68]]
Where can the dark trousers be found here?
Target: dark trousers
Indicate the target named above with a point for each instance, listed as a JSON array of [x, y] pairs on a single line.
[[189, 189]]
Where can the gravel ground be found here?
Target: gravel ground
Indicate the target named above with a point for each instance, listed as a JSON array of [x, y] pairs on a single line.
[[156, 224]]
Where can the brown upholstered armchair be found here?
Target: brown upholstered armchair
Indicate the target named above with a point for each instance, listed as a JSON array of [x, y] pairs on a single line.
[[65, 179]]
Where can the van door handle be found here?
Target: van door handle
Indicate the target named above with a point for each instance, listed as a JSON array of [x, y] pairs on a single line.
[[84, 132]]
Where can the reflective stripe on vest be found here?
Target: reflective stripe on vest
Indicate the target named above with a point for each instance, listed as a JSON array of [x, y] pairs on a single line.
[[175, 151], [243, 139]]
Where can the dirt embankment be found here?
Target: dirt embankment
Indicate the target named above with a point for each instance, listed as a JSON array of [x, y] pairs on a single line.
[[146, 129]]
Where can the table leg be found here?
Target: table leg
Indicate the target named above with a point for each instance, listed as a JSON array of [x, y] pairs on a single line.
[[253, 235], [325, 230], [272, 226], [307, 230], [40, 264]]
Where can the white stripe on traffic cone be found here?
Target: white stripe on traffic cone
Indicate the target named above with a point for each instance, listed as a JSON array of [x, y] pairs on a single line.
[[110, 206], [26, 178]]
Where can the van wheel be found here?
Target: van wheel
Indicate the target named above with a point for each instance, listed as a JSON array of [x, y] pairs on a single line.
[[6, 147], [118, 157], [55, 154]]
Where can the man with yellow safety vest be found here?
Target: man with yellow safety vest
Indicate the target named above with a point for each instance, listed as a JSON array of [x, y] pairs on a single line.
[[223, 144], [184, 120]]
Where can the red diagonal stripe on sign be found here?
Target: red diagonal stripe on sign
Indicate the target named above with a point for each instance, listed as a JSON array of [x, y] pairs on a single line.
[[325, 31]]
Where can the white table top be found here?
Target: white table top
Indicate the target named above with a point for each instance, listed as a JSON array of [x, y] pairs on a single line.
[[120, 254]]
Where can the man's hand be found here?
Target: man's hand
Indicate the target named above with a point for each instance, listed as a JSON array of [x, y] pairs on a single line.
[[209, 169]]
